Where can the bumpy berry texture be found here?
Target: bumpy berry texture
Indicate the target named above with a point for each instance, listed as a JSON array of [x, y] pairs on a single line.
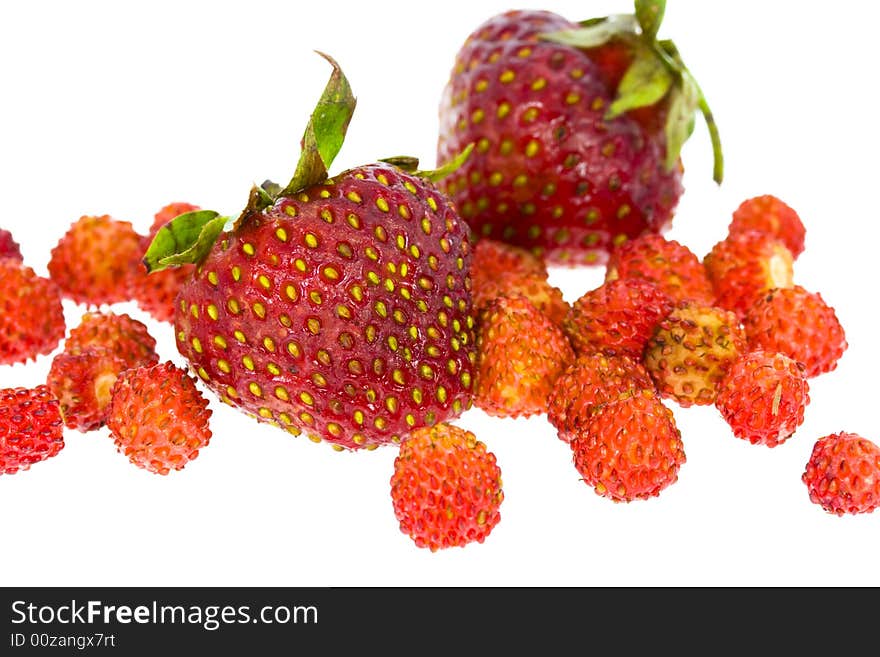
[[93, 262], [843, 474], [493, 259], [446, 488], [617, 317], [629, 449], [668, 264], [126, 337], [763, 397], [591, 381], [343, 312], [549, 173], [745, 265], [9, 248], [31, 429], [536, 288], [158, 418], [31, 313], [799, 324], [691, 351], [520, 354], [770, 215], [82, 382], [155, 293]]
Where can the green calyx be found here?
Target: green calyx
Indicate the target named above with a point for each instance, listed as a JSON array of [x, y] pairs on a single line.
[[657, 72], [189, 237], [411, 165]]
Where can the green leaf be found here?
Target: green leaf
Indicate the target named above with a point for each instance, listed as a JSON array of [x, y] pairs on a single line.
[[186, 239], [645, 82], [650, 14], [684, 100], [324, 132], [595, 34]]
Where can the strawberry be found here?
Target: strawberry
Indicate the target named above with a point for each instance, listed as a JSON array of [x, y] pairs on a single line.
[[520, 354], [617, 317], [592, 380], [446, 488], [744, 265], [799, 324], [770, 215], [31, 429], [577, 128], [493, 259], [31, 313], [337, 307], [124, 336], [629, 449], [93, 262], [842, 474], [81, 382], [691, 350], [498, 268], [544, 296], [9, 248], [668, 264], [158, 418], [763, 396], [155, 294]]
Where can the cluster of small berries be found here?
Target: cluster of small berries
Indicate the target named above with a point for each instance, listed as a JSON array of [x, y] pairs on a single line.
[[104, 371], [731, 329]]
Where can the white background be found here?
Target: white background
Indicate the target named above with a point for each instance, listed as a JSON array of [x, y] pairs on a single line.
[[119, 109]]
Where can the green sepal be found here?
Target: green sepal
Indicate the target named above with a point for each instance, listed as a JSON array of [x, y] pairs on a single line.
[[644, 83], [435, 175], [649, 13], [186, 239], [411, 165], [683, 102], [406, 162], [324, 132], [595, 33]]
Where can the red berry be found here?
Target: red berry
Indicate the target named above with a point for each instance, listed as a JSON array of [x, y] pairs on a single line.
[[763, 397], [446, 488], [799, 324], [550, 171], [629, 449], [82, 382], [158, 418], [770, 215], [31, 313], [668, 264], [126, 337], [499, 269], [617, 317], [691, 351], [343, 311], [591, 381], [31, 429], [9, 248], [743, 266], [843, 474], [94, 260], [520, 354]]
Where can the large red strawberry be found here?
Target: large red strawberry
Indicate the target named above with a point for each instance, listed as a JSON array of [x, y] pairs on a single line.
[[339, 308], [577, 130]]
